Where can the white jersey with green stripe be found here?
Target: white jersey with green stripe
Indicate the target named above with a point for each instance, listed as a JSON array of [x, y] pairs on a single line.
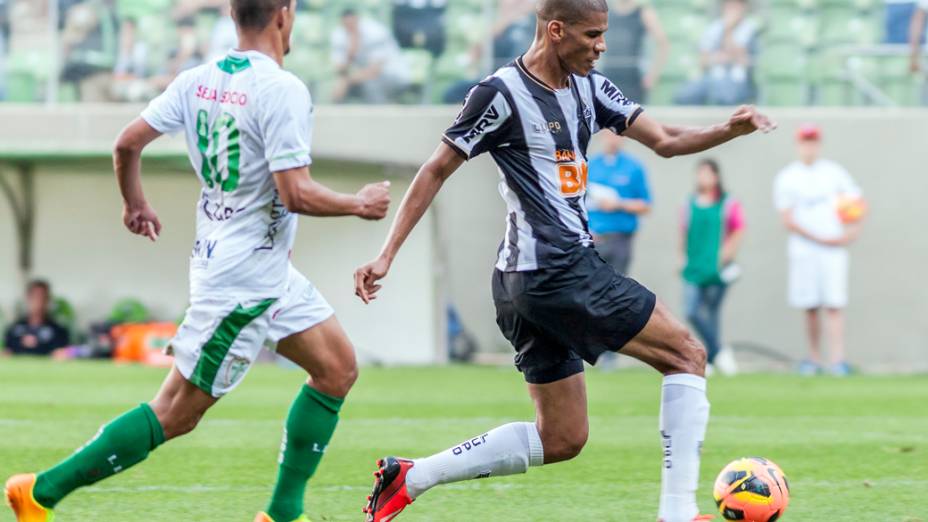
[[244, 118]]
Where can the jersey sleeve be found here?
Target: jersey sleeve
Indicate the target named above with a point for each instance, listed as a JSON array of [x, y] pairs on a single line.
[[287, 125], [165, 113], [475, 130], [611, 109]]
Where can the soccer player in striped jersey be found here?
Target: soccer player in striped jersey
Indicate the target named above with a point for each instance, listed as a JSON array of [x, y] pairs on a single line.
[[558, 302], [248, 126]]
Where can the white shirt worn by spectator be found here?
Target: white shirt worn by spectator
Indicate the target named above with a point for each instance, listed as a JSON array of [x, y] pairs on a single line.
[[244, 118], [811, 192], [743, 35], [377, 46]]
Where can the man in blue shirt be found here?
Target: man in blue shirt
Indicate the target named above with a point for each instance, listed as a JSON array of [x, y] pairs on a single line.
[[617, 194]]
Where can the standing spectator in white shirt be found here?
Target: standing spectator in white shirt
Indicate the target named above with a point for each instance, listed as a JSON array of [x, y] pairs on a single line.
[[368, 61], [807, 193]]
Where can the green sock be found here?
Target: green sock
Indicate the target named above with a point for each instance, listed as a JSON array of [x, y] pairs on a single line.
[[122, 443], [309, 428]]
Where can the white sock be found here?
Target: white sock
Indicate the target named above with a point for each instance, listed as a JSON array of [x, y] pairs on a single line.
[[684, 416], [506, 450]]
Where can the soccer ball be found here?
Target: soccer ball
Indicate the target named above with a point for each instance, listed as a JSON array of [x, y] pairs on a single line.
[[851, 209], [752, 490]]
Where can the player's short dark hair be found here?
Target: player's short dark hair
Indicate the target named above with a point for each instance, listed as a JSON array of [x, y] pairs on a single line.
[[569, 11], [256, 14], [40, 284]]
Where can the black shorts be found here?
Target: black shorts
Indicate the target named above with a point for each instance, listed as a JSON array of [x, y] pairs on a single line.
[[556, 318]]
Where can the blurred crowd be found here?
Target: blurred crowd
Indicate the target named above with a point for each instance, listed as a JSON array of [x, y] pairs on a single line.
[[689, 52]]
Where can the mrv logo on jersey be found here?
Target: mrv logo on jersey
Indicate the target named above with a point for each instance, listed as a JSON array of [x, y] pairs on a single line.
[[489, 117]]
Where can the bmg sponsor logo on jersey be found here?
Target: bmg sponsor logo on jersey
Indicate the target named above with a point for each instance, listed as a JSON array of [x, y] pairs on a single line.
[[468, 445], [573, 175]]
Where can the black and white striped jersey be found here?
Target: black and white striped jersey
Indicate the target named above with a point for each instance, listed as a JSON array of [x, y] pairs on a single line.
[[538, 138]]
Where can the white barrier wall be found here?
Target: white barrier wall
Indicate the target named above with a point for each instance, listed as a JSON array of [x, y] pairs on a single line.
[[82, 248], [78, 243]]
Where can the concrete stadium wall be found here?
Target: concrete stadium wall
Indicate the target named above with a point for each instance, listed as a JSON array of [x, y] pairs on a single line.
[[82, 248], [883, 149]]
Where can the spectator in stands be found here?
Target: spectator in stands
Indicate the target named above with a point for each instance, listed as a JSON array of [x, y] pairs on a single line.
[[727, 58], [806, 193], [916, 34], [630, 24], [36, 333], [223, 36], [513, 31], [897, 21], [4, 36], [712, 228], [420, 24], [368, 62], [136, 71], [30, 50], [88, 47], [617, 194], [190, 51]]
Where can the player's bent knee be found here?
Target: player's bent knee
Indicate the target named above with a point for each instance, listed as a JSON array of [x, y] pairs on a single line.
[[176, 423], [337, 382], [564, 447]]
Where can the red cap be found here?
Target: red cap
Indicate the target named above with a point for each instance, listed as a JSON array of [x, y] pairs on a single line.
[[808, 132]]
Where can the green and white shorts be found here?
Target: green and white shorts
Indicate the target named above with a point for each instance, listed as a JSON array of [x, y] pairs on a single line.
[[221, 338]]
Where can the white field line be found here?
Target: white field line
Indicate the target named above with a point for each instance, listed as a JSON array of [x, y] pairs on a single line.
[[795, 485]]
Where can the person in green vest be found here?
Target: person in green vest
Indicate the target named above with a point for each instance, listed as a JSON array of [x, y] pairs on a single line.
[[712, 227]]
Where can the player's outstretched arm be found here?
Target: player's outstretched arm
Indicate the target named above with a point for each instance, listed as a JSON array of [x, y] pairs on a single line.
[[428, 182], [301, 194], [669, 141], [137, 215]]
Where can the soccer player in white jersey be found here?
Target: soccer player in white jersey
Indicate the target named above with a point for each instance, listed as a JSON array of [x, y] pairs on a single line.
[[248, 125], [557, 302]]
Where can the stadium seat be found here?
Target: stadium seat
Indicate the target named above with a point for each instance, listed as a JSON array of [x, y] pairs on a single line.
[[896, 81], [312, 29], [794, 27], [847, 28], [664, 91], [684, 27], [784, 93], [22, 87], [782, 61]]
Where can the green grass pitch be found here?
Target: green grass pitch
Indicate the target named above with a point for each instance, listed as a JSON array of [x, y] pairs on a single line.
[[855, 449]]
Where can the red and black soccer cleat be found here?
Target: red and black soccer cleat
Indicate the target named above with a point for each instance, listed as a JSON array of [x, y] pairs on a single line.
[[389, 496]]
